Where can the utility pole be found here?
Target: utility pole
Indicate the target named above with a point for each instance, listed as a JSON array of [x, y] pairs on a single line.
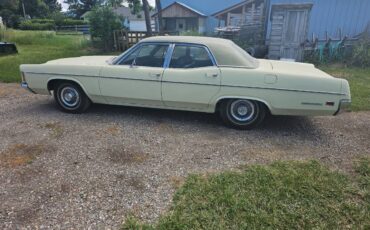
[[24, 10], [147, 17], [159, 14]]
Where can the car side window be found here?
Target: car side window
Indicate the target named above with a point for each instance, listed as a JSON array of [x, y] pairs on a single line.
[[151, 55], [130, 59], [187, 56]]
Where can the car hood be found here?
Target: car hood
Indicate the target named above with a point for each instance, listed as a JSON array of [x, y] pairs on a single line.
[[84, 60], [297, 69], [70, 66]]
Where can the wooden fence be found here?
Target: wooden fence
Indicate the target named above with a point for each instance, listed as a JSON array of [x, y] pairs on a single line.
[[125, 39]]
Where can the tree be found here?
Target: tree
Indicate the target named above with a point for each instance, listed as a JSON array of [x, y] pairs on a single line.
[[102, 24], [12, 10], [53, 5], [9, 12], [159, 10], [147, 17], [114, 3], [34, 8], [79, 7], [9, 5], [137, 6]]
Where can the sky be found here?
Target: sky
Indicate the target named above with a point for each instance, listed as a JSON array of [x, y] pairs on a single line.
[[65, 6]]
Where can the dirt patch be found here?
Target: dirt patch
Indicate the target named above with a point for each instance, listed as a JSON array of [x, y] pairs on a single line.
[[176, 181], [126, 155], [9, 90], [20, 154], [111, 130], [55, 127], [136, 182]]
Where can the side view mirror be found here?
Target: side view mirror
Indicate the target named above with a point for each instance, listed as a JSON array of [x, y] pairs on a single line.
[[133, 64]]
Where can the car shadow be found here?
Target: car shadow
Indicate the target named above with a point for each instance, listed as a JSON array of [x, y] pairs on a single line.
[[158, 115], [303, 127], [279, 124]]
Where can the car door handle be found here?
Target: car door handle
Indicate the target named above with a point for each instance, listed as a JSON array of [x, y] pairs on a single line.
[[155, 74], [211, 74]]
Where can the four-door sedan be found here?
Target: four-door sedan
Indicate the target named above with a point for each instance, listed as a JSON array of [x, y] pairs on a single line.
[[190, 73]]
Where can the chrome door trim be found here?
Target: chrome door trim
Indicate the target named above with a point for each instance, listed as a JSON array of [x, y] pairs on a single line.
[[168, 57]]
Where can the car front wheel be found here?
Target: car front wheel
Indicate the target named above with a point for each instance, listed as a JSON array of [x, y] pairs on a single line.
[[242, 113], [71, 98]]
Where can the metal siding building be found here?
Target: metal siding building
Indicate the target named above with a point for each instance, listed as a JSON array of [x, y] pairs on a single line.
[[328, 16]]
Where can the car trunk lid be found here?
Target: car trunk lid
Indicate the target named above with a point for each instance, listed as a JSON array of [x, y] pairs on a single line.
[[298, 69]]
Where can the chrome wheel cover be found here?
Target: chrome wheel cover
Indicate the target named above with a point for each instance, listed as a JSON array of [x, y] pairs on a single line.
[[242, 110], [70, 96]]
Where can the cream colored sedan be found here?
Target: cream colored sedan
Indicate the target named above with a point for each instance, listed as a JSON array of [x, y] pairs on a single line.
[[190, 73]]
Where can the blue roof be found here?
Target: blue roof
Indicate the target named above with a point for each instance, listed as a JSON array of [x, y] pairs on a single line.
[[192, 9], [206, 7]]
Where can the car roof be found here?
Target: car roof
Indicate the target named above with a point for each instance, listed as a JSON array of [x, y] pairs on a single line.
[[187, 39], [226, 52]]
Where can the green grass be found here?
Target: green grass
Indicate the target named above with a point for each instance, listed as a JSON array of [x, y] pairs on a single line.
[[284, 195], [359, 81], [38, 47]]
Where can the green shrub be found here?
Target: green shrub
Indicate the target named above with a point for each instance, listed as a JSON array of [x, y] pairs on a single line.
[[29, 25], [361, 53], [102, 24], [191, 33], [49, 24], [28, 37], [73, 22], [2, 34], [355, 55], [42, 21]]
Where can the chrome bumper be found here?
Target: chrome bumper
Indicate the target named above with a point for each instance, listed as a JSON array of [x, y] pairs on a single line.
[[344, 105], [24, 85]]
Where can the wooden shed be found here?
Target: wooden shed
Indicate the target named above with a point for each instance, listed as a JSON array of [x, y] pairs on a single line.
[[289, 28], [249, 12]]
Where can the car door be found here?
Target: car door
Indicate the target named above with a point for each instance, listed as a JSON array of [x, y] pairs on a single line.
[[135, 80], [192, 78]]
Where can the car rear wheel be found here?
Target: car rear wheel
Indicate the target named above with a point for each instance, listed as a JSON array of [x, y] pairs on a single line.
[[242, 113], [71, 98]]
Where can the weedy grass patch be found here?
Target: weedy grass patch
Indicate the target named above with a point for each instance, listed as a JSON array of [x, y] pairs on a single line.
[[36, 47], [283, 195], [359, 81]]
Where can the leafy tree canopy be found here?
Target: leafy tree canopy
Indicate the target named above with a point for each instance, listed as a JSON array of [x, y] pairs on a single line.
[[79, 7]]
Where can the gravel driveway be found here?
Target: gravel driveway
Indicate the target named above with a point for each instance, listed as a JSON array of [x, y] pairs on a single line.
[[77, 171]]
